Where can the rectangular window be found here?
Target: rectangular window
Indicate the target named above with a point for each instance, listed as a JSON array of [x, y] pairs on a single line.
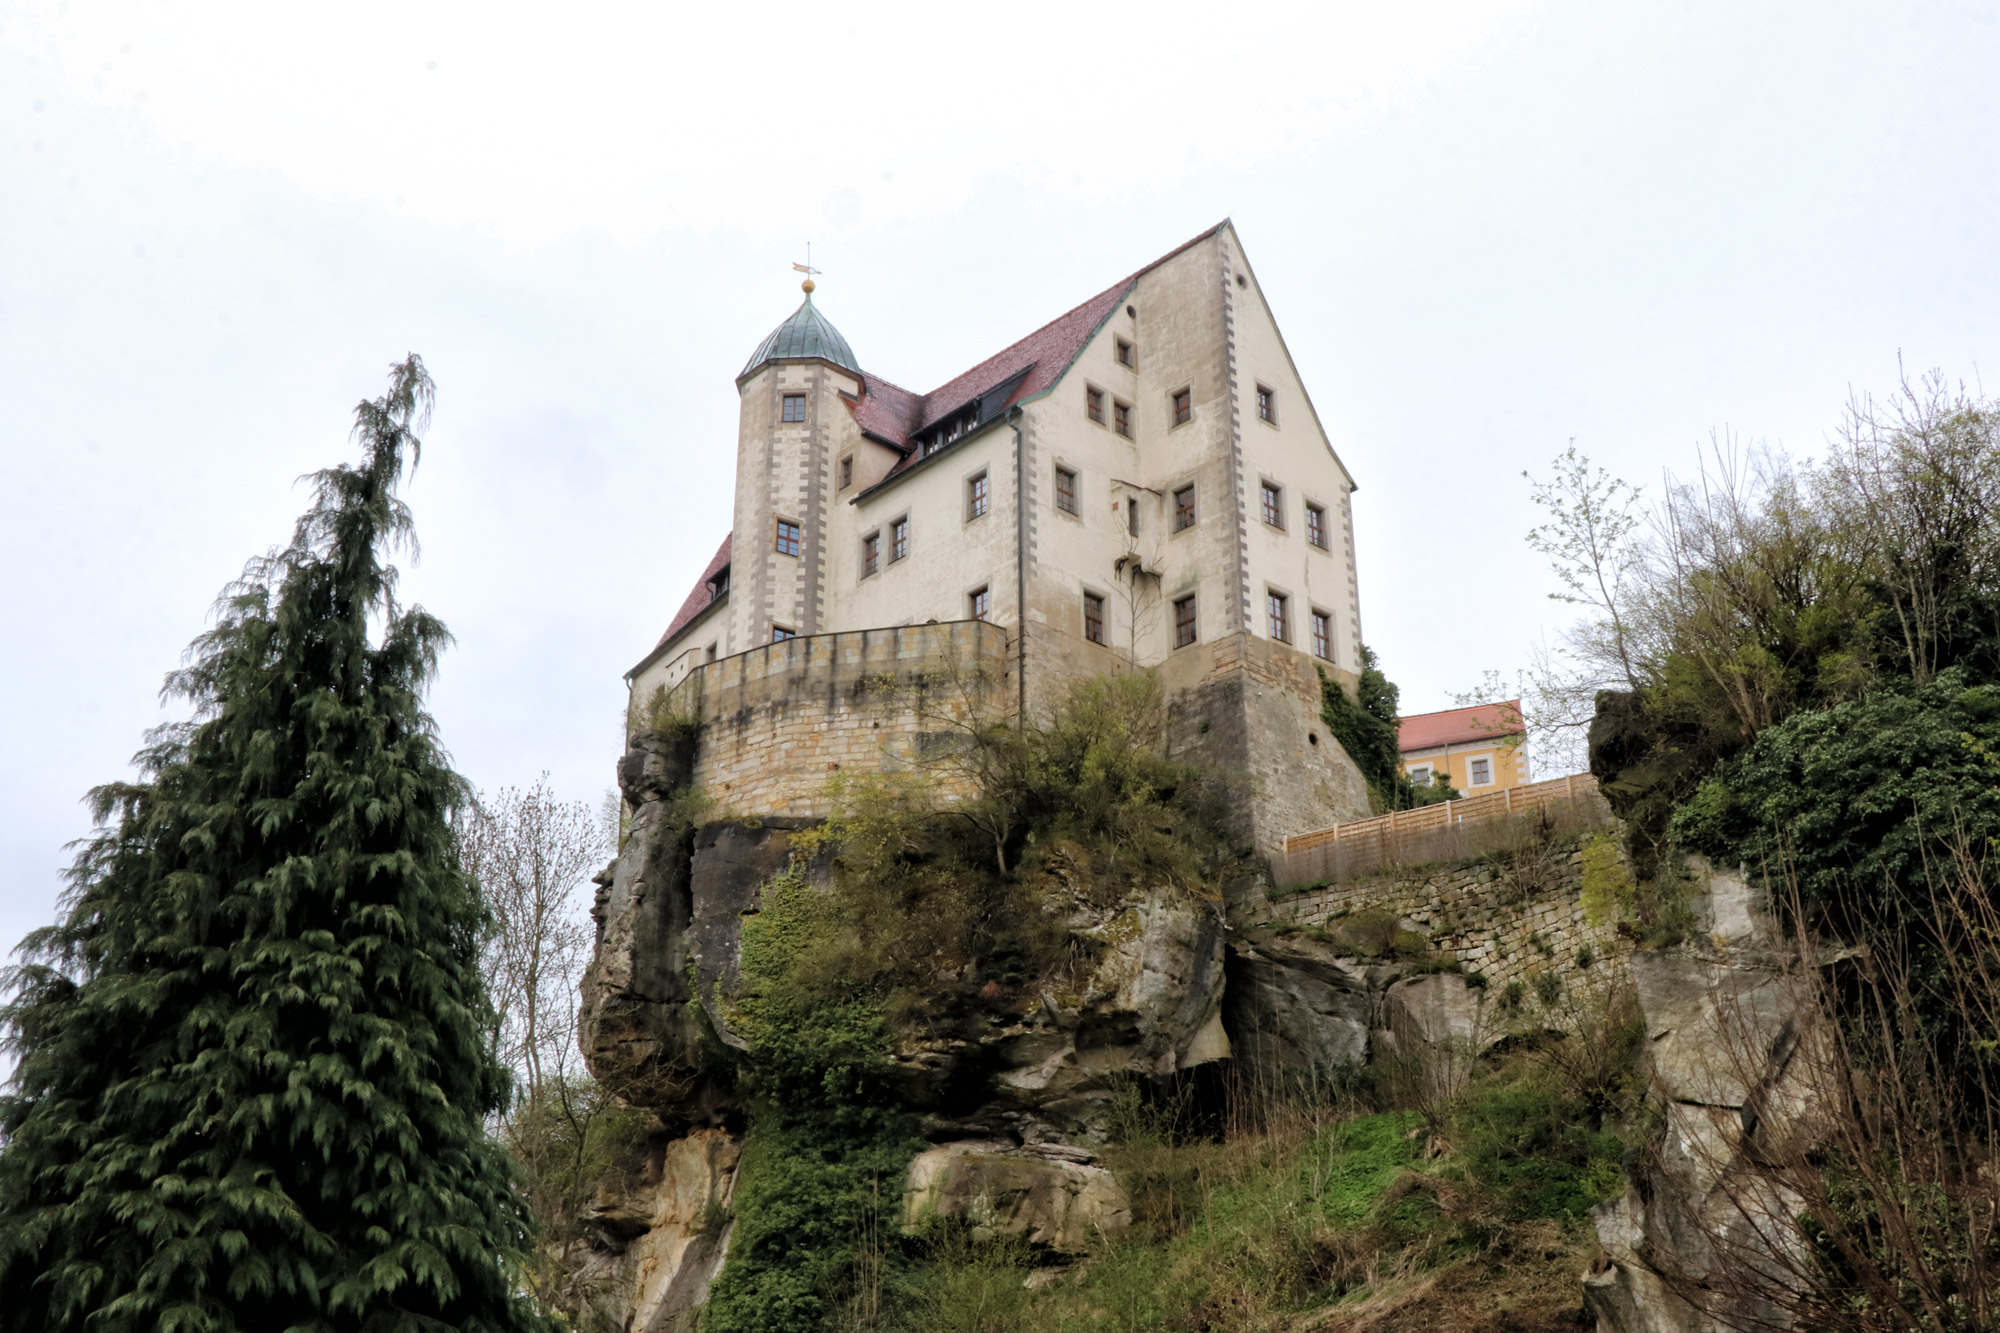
[[1183, 508], [975, 497], [788, 537], [1274, 505], [980, 603], [1281, 621], [795, 407], [779, 634], [711, 651], [1121, 418], [871, 553], [1132, 517], [899, 539], [846, 472], [1267, 405], [1093, 617], [1127, 354], [1420, 775], [1093, 404], [1183, 407], [1066, 490], [1479, 772], [1184, 628], [1316, 526], [1322, 624]]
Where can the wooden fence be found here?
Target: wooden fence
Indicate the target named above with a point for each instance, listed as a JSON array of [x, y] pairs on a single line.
[[1446, 831]]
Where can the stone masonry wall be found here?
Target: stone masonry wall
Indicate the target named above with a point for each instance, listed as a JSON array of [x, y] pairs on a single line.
[[1508, 917], [780, 720]]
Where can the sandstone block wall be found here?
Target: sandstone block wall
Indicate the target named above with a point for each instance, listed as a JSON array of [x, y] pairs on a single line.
[[1508, 918], [777, 722]]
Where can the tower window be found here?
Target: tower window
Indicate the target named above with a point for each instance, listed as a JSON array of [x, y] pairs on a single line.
[[1183, 508], [899, 539], [1281, 619], [779, 633], [1183, 406], [976, 497], [1127, 354], [846, 472], [1274, 505], [1184, 627], [788, 537], [1093, 617], [980, 603], [1066, 490], [1121, 418], [1093, 404], [1316, 526], [1267, 405], [871, 553], [1322, 626], [795, 407]]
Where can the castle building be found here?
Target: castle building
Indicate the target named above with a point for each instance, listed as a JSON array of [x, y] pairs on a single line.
[[1142, 482]]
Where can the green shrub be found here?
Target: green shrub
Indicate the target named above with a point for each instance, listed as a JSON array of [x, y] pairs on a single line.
[[1540, 1153]]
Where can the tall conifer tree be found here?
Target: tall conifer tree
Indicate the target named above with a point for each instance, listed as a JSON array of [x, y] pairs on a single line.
[[252, 1073]]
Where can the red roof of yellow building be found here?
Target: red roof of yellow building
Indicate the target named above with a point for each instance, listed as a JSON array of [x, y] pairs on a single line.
[[1460, 726]]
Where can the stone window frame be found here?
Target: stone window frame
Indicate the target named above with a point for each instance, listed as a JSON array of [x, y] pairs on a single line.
[[846, 472], [780, 633], [1193, 509], [1277, 614], [871, 553], [978, 495], [1271, 503], [1187, 627], [1321, 623], [899, 538], [1492, 770], [1093, 405], [1267, 404], [1316, 528], [1093, 599], [1125, 352], [1421, 775], [1121, 419], [1075, 477], [786, 531], [979, 603], [785, 405], [1180, 407]]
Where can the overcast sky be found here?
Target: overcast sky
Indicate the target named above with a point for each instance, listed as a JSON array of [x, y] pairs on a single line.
[[1485, 228]]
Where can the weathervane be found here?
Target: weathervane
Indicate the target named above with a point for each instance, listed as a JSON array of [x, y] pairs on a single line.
[[807, 269]]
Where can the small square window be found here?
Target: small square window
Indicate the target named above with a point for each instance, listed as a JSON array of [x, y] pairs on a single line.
[[1127, 354], [871, 553], [1183, 508], [1121, 418], [1066, 490], [1267, 405], [1184, 624], [1280, 612], [846, 472], [1479, 771], [1322, 625], [788, 537], [1316, 526], [1093, 617], [976, 497], [1093, 404], [779, 633], [1420, 775], [1183, 407], [1274, 505], [980, 604], [795, 407], [899, 539]]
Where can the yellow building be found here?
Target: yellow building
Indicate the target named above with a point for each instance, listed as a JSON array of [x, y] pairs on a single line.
[[1480, 749]]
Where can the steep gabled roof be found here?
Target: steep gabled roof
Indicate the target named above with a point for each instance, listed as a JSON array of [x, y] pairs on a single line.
[[1460, 726], [699, 600]]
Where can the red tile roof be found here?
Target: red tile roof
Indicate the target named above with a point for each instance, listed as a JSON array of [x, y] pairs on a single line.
[[1460, 726], [701, 598]]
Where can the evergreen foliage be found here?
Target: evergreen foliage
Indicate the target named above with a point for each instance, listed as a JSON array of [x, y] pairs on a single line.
[[1365, 726], [253, 1056]]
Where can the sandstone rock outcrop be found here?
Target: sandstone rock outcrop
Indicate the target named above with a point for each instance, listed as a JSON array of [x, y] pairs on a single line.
[[661, 1234], [1050, 1194]]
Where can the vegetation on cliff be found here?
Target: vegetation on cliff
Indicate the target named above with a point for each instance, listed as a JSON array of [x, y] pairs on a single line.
[[254, 1055]]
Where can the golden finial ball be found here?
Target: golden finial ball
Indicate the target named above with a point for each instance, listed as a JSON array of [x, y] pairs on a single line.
[[807, 286]]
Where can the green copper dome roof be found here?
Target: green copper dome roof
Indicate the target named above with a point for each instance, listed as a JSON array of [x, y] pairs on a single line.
[[806, 335]]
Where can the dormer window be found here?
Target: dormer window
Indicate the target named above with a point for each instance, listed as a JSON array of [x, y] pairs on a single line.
[[719, 585], [795, 407]]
